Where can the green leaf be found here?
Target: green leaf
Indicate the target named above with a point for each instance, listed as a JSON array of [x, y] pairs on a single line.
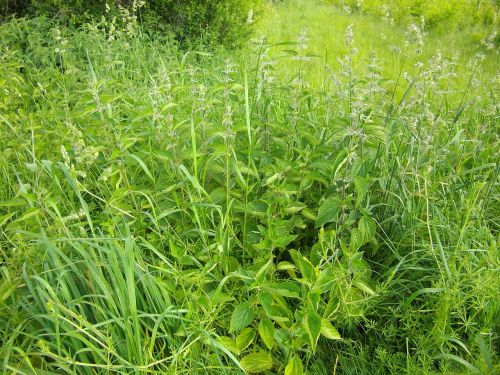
[[284, 266], [329, 331], [257, 362], [229, 344], [280, 313], [307, 213], [305, 267], [284, 289], [245, 338], [266, 332], [325, 280], [312, 324], [367, 227], [143, 166], [261, 273], [5, 218], [361, 186], [294, 366], [356, 239], [271, 179], [266, 300], [328, 211], [242, 316]]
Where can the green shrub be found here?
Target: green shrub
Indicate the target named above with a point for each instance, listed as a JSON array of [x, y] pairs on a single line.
[[226, 22], [68, 10], [212, 21]]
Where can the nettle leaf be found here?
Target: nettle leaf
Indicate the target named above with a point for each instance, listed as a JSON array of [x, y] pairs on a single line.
[[368, 228], [284, 289], [284, 266], [312, 325], [261, 273], [325, 280], [328, 211], [229, 344], [266, 300], [294, 208], [309, 214], [280, 233], [281, 314], [294, 366], [245, 338], [257, 362], [329, 331], [266, 332], [357, 239], [242, 316], [305, 267], [361, 186]]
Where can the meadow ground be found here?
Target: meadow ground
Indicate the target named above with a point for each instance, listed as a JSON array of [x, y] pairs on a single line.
[[323, 201]]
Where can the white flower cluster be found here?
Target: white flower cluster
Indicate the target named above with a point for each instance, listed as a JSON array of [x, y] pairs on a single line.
[[489, 42], [415, 37], [265, 76], [250, 17], [84, 155], [125, 23], [60, 42]]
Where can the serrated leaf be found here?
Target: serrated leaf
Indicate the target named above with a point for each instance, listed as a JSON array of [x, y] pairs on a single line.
[[307, 213], [245, 338], [325, 280], [283, 266], [328, 211], [229, 344], [280, 313], [242, 316], [368, 227], [266, 300], [294, 366], [271, 179], [293, 209], [312, 324], [329, 331], [257, 362], [305, 267], [284, 289], [261, 273], [356, 239], [266, 332]]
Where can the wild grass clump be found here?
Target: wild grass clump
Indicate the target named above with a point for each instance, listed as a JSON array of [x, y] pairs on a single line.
[[168, 212], [477, 20]]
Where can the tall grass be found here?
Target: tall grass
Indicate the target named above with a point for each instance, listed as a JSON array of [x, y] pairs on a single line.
[[325, 25], [170, 212]]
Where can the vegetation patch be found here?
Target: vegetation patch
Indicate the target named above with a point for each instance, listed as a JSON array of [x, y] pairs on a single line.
[[165, 210]]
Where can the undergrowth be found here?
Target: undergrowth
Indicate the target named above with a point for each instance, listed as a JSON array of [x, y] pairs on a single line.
[[168, 212]]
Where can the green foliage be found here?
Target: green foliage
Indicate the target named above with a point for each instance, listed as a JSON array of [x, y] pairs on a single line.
[[164, 212], [438, 14], [193, 22], [213, 21]]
